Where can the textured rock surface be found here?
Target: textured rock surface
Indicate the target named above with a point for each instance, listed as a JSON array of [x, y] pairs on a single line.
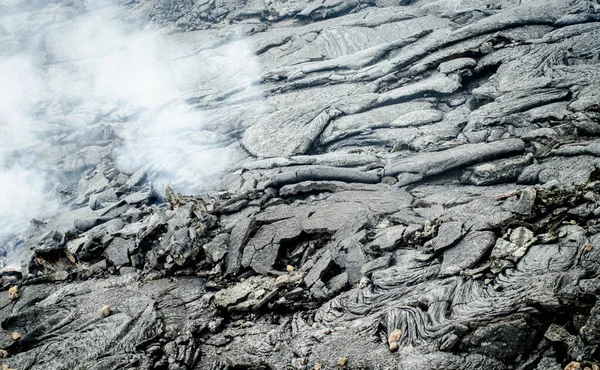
[[424, 171]]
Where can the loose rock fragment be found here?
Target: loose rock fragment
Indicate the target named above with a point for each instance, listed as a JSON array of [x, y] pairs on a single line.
[[448, 234], [13, 293], [16, 336], [106, 311], [394, 339], [556, 333], [468, 251], [524, 204], [395, 335], [573, 366], [449, 341], [342, 361], [3, 353], [364, 282]]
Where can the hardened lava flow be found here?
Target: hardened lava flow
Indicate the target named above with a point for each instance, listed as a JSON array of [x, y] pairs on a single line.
[[360, 184]]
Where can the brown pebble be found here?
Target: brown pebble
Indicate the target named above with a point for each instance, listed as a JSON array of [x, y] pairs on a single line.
[[595, 367], [573, 365], [5, 367], [342, 361], [573, 222], [318, 366], [587, 368], [327, 331], [289, 268], [13, 293], [588, 248], [16, 336], [393, 346], [395, 336], [106, 311], [303, 361], [277, 347], [3, 353]]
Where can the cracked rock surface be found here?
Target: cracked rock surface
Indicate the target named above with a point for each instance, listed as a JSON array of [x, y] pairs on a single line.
[[409, 185]]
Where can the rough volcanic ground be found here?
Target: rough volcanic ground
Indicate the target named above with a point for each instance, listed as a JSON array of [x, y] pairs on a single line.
[[388, 184]]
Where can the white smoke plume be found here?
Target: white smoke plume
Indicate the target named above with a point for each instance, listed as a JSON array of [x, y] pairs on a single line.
[[25, 192], [98, 65]]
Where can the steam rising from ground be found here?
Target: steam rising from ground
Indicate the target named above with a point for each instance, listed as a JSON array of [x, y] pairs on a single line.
[[74, 72], [24, 189]]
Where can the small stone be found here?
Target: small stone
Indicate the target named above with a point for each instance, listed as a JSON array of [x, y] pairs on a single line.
[[395, 335], [289, 268], [303, 361], [393, 339], [318, 366], [449, 341], [13, 293], [327, 331], [277, 347], [573, 365], [106, 311], [3, 353], [461, 329], [5, 367], [342, 361], [16, 336], [556, 333], [573, 222], [588, 248], [364, 281]]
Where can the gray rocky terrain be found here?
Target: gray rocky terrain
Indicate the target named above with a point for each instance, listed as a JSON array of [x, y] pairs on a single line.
[[306, 184]]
